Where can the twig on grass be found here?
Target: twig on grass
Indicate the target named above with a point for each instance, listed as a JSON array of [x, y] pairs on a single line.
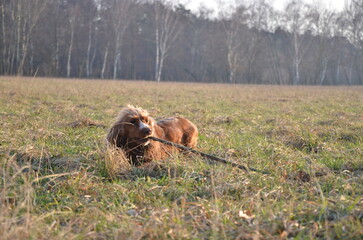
[[217, 159]]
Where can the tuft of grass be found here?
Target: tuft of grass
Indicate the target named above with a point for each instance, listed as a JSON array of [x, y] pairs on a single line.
[[16, 199], [116, 162]]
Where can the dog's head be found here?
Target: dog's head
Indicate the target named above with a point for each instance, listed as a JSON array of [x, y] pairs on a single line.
[[132, 127]]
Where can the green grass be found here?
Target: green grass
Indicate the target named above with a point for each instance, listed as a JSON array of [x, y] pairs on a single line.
[[57, 183]]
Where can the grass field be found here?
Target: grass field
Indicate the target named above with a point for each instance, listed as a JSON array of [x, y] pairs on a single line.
[[56, 183]]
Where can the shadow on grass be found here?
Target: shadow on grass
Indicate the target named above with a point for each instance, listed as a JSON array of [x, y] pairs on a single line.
[[110, 165], [156, 170], [42, 162]]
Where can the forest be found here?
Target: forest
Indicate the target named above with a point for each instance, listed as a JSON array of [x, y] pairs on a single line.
[[157, 40]]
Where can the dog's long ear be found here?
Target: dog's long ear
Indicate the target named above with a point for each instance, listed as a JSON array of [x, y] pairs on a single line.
[[116, 136]]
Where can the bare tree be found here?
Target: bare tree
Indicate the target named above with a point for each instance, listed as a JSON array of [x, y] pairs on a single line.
[[354, 18], [233, 28], [6, 25], [261, 16], [341, 25], [167, 29], [4, 37], [18, 23], [73, 16], [56, 49], [198, 47], [120, 16], [297, 23], [276, 57], [30, 13], [260, 19], [354, 32], [322, 29]]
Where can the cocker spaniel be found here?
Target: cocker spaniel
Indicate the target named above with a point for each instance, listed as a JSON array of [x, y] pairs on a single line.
[[133, 127]]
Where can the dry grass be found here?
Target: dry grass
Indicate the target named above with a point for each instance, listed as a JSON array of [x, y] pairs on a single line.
[[58, 181], [116, 162]]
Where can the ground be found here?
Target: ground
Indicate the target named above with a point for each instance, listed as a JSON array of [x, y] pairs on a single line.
[[59, 181]]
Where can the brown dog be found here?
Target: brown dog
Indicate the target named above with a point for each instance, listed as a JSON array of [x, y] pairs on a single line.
[[133, 127]]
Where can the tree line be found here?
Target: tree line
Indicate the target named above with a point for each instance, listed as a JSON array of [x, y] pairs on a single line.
[[156, 40]]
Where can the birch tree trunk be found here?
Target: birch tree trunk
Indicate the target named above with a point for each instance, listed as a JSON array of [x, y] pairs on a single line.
[[337, 73], [296, 60], [297, 21], [117, 56], [104, 61], [93, 57], [18, 35], [70, 48], [3, 70], [88, 60], [323, 74], [56, 53], [31, 58], [232, 46], [167, 29], [157, 48]]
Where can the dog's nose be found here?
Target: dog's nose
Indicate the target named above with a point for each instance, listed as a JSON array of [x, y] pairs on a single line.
[[146, 131]]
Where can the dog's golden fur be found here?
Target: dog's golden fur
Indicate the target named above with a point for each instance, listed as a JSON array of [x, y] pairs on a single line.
[[134, 125]]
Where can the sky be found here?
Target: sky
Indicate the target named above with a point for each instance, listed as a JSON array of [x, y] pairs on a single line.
[[278, 4]]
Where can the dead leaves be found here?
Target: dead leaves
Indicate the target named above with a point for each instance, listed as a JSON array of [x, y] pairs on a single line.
[[247, 215]]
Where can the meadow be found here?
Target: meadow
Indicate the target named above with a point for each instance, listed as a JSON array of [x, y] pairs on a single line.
[[58, 181]]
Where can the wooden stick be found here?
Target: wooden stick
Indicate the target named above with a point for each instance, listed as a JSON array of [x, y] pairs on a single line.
[[207, 155]]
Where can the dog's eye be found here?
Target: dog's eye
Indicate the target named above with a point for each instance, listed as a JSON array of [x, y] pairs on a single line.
[[144, 119], [133, 121]]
